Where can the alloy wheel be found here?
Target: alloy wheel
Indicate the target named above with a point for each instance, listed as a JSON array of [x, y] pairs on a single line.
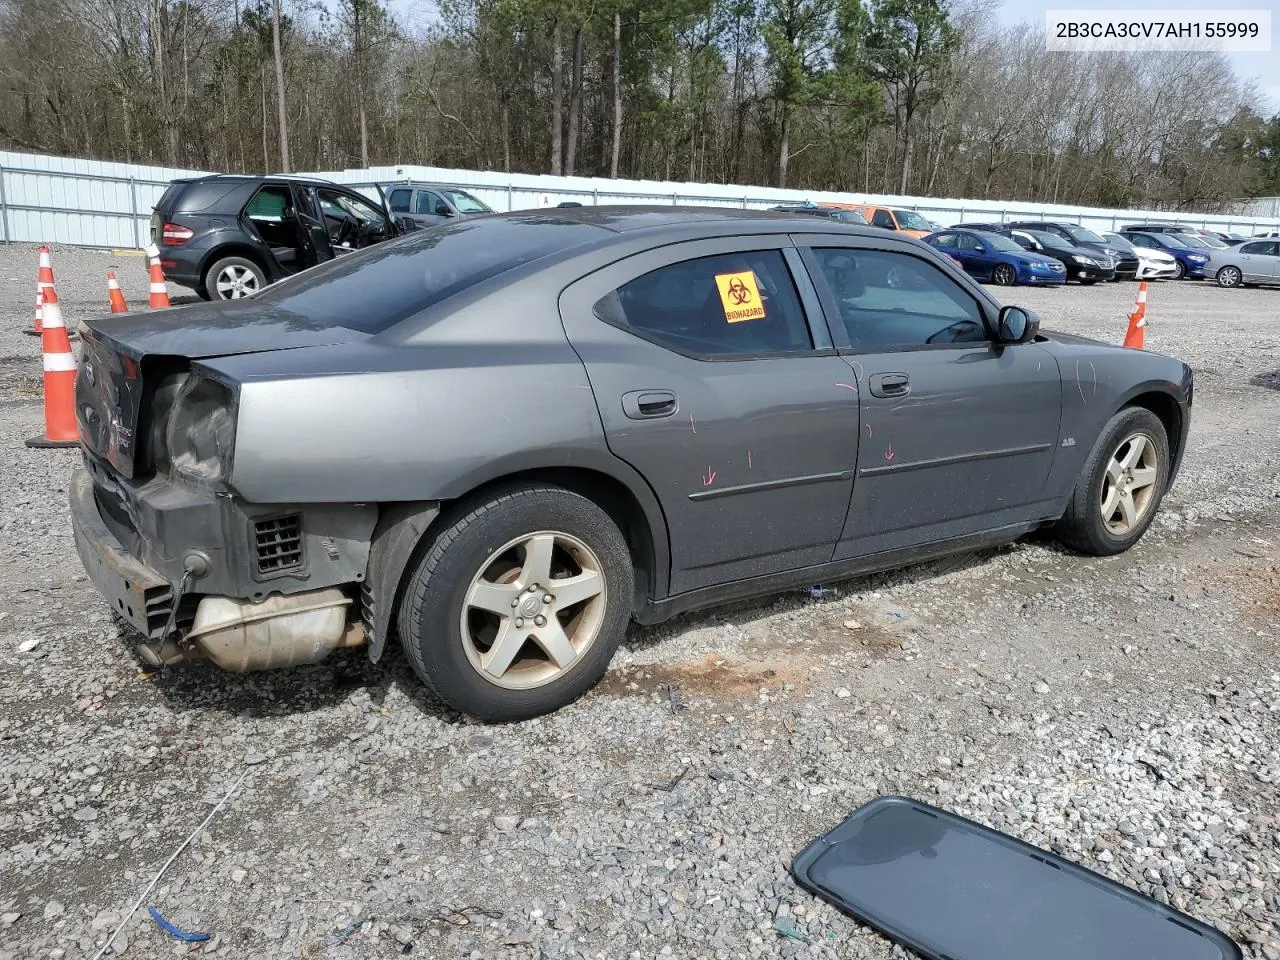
[[1129, 485], [1229, 277], [533, 609], [1004, 275], [235, 282]]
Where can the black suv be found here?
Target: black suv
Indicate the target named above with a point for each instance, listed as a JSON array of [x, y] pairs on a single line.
[[1124, 262], [226, 237]]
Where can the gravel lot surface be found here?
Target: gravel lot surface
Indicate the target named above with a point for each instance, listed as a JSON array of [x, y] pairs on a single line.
[[1124, 712]]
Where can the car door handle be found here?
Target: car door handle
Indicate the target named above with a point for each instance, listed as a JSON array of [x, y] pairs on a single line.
[[890, 384], [649, 404]]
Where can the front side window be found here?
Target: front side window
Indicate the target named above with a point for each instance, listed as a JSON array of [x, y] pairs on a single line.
[[895, 301], [430, 204], [728, 305], [882, 218]]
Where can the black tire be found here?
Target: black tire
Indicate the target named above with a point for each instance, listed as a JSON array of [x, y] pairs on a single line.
[[1004, 275], [1082, 527], [1182, 270], [1088, 281], [433, 601], [232, 264], [1229, 276]]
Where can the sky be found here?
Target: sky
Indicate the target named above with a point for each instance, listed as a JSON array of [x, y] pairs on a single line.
[[1262, 68]]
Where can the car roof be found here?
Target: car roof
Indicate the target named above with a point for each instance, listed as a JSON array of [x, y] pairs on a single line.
[[423, 185], [714, 220], [255, 178]]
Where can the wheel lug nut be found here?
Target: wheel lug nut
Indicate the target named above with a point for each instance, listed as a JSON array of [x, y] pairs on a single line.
[[540, 621], [548, 599], [515, 603], [519, 621]]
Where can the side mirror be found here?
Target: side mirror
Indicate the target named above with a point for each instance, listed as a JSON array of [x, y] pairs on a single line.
[[443, 211], [1017, 325], [979, 249]]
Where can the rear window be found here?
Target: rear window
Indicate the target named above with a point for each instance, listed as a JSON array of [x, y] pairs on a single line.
[[374, 289], [207, 195]]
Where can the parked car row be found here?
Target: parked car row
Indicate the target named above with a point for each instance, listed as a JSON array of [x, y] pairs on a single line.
[[227, 237]]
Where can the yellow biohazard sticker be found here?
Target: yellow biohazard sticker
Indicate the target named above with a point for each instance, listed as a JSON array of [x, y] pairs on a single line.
[[740, 296]]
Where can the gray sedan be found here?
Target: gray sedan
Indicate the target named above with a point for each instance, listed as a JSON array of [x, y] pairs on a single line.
[[503, 438], [1256, 261]]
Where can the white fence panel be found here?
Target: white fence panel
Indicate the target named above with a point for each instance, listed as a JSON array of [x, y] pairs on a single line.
[[93, 203]]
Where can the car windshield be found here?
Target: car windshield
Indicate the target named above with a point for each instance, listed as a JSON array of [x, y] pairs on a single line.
[[1169, 240], [910, 220], [1190, 241], [1047, 238], [374, 289], [997, 242], [1213, 243], [465, 202], [1119, 242], [1084, 235]]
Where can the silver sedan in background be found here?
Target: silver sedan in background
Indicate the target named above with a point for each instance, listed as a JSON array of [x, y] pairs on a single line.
[[1254, 262]]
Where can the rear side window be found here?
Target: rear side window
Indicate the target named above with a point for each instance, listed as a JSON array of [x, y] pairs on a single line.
[[374, 288], [944, 240], [269, 203], [895, 301], [729, 305]]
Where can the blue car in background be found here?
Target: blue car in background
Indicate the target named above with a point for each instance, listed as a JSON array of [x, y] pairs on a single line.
[[993, 257], [1192, 262]]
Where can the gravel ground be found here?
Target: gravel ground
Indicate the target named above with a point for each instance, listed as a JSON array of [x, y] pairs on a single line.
[[1124, 712]]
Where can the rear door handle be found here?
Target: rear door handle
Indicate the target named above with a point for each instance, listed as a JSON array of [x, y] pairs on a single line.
[[649, 404], [890, 384]]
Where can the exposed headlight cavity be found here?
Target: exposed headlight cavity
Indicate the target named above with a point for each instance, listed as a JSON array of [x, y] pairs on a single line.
[[201, 431]]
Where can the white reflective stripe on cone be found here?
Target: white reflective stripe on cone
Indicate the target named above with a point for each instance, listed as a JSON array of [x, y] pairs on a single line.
[[1142, 296], [59, 363], [153, 252], [52, 315], [159, 288]]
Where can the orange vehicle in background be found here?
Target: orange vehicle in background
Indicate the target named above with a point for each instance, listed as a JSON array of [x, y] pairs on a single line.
[[890, 218]]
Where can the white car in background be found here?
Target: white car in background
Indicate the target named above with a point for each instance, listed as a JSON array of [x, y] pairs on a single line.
[[1152, 264]]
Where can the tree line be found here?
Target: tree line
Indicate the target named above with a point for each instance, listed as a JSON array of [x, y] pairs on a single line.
[[878, 96]]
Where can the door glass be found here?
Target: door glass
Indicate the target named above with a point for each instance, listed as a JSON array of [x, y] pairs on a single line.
[[966, 243], [730, 305], [352, 222], [883, 219], [399, 201], [426, 202], [1266, 249], [888, 300], [945, 240]]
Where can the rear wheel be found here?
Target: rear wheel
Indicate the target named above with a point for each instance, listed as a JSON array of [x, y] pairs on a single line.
[[1120, 487], [1004, 275], [518, 604], [233, 278], [1229, 277]]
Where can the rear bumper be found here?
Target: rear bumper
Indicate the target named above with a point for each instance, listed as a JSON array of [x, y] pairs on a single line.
[[135, 591], [135, 538]]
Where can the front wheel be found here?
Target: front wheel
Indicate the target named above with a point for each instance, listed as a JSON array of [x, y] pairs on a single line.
[[518, 604], [1120, 487], [1229, 277], [1180, 271], [1004, 275]]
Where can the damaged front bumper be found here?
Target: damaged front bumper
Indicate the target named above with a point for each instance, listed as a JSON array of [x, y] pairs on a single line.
[[251, 587]]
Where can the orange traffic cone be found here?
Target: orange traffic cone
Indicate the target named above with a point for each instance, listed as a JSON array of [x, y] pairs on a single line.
[[114, 295], [1136, 337], [60, 428], [159, 292], [44, 281]]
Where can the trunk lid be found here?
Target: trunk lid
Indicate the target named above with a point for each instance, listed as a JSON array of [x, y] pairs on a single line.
[[125, 357]]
